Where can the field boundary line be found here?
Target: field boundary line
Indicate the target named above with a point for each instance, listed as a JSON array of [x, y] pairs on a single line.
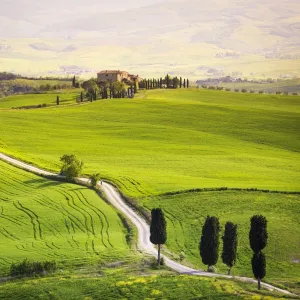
[[144, 243]]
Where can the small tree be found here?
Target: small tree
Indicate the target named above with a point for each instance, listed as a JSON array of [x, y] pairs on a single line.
[[180, 82], [187, 83], [81, 97], [71, 167], [259, 267], [184, 82], [74, 82], [209, 243], [258, 234], [94, 179], [57, 100], [230, 240], [158, 232]]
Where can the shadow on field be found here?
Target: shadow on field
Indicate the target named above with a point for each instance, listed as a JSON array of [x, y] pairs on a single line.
[[43, 182]]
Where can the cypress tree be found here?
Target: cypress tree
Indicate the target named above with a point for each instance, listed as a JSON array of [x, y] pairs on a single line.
[[258, 237], [167, 80], [180, 82], [161, 82], [258, 234], [81, 97], [230, 241], [209, 243], [74, 81], [158, 232], [57, 100], [187, 83], [184, 82], [259, 267]]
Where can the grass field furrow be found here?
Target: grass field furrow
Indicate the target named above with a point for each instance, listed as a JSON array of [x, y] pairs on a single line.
[[99, 213]]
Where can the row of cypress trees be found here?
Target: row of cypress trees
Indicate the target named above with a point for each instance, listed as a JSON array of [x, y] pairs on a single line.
[[167, 82], [210, 239]]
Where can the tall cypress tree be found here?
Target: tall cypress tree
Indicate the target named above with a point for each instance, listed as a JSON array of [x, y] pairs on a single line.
[[184, 82], [74, 82], [57, 100], [258, 237], [230, 241], [180, 82], [209, 243], [81, 97], [167, 80], [187, 83], [160, 82], [158, 230]]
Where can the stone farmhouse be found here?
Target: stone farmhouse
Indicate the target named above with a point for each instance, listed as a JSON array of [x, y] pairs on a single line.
[[117, 75]]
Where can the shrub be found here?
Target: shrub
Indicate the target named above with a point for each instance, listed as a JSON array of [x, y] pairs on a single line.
[[278, 93], [228, 89], [236, 90], [27, 268], [162, 261], [220, 88], [261, 92], [244, 91], [204, 86], [212, 269], [94, 179], [286, 93], [252, 91], [211, 87], [295, 94]]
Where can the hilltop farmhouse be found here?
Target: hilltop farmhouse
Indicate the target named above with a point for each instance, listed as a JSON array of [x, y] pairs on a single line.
[[117, 75]]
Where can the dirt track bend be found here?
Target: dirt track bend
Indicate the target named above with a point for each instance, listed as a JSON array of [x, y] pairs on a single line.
[[144, 243]]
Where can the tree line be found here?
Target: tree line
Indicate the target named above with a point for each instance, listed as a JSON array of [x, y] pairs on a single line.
[[210, 240], [166, 82]]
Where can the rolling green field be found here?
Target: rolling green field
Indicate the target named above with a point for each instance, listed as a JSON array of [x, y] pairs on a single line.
[[167, 140], [118, 286], [173, 140], [42, 219], [66, 97], [186, 214]]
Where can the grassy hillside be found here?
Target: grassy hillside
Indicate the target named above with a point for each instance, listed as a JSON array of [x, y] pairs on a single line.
[[66, 97], [186, 213], [47, 220], [168, 140], [118, 286]]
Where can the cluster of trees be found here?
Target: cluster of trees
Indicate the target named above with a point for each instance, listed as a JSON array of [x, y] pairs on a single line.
[[167, 82], [210, 239]]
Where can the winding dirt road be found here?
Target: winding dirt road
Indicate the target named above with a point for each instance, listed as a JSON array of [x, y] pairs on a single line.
[[144, 243]]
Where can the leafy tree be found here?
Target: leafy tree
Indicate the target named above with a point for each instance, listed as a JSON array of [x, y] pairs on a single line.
[[94, 179], [71, 167], [57, 100], [258, 234], [158, 232], [259, 267], [209, 243], [230, 240]]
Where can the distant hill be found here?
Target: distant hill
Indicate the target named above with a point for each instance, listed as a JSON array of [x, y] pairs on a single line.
[[191, 37]]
